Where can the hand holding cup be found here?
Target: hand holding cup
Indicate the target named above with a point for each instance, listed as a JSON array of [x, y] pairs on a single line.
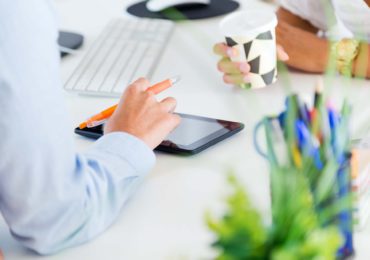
[[250, 53], [237, 72]]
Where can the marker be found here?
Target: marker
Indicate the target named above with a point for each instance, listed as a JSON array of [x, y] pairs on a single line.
[[307, 143], [297, 157], [100, 118], [318, 93]]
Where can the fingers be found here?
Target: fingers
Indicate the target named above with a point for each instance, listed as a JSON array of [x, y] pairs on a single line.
[[169, 104], [282, 55], [223, 50], [140, 84], [236, 79], [176, 119], [229, 67], [173, 121], [135, 90]]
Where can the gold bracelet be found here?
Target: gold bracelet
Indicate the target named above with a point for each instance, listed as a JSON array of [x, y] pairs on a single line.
[[345, 52]]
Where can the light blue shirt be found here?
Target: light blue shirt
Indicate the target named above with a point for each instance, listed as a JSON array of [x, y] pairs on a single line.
[[51, 197]]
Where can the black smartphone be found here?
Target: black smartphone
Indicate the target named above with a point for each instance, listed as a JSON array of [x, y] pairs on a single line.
[[69, 40], [193, 135]]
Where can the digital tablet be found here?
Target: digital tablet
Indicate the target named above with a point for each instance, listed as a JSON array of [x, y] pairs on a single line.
[[193, 135]]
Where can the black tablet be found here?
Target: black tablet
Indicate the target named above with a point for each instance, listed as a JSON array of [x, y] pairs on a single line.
[[192, 136]]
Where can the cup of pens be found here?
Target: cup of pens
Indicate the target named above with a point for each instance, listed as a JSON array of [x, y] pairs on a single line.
[[315, 141]]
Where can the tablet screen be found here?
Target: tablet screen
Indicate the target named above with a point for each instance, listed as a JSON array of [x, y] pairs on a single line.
[[191, 130]]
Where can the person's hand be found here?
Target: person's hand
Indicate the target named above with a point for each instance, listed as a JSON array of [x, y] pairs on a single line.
[[1, 255], [139, 114], [237, 72], [306, 50]]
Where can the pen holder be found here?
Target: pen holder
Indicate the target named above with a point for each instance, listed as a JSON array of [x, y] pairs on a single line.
[[315, 144]]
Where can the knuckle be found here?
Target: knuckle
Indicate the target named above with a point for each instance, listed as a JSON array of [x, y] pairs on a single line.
[[134, 86], [132, 89], [172, 100], [144, 81]]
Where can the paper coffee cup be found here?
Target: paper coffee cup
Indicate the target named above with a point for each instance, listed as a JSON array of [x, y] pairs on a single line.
[[252, 33]]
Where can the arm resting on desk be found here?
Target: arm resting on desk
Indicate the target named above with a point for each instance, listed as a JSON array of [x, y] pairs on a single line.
[[50, 197], [307, 51]]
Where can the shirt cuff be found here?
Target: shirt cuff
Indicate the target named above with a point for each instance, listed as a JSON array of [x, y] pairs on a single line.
[[128, 148]]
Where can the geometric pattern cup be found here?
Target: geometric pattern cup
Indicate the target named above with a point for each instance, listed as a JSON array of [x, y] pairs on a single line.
[[258, 50]]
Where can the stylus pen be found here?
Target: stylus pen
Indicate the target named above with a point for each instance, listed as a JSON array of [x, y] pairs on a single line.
[[100, 118]]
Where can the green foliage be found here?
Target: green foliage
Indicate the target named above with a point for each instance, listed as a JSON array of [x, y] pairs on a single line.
[[310, 191], [295, 232], [241, 234]]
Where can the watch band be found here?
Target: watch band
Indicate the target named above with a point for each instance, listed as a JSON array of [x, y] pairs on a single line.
[[345, 52]]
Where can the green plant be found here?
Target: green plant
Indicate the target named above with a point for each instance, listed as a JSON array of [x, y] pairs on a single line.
[[311, 202], [295, 231]]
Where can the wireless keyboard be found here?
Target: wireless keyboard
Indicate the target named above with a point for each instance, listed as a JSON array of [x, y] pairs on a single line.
[[126, 50]]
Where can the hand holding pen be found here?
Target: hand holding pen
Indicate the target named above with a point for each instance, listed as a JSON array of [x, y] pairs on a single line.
[[141, 115], [103, 116]]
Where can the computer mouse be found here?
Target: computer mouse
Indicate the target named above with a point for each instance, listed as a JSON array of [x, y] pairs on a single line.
[[159, 5]]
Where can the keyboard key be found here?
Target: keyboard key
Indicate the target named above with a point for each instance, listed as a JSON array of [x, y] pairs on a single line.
[[125, 50], [145, 68], [127, 76], [118, 68]]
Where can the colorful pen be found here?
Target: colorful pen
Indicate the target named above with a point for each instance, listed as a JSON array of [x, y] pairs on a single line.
[[100, 118]]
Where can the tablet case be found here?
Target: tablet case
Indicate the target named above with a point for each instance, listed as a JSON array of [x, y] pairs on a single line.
[[186, 12]]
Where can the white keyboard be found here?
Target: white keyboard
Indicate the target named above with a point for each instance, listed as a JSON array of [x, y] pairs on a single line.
[[126, 50]]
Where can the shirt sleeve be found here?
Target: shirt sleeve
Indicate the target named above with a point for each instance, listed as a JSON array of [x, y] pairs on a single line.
[[313, 11], [51, 197]]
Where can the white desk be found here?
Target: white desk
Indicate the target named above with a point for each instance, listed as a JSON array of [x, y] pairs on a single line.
[[165, 219]]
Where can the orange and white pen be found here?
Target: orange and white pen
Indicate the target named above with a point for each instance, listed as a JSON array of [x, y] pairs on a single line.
[[100, 118]]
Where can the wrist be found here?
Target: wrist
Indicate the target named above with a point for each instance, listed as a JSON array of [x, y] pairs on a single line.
[[345, 53], [123, 148], [131, 132]]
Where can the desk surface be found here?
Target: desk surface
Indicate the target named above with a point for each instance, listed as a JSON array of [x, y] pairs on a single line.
[[165, 219]]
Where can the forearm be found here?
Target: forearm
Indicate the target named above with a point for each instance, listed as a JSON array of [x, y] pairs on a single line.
[[50, 198], [64, 203], [299, 39], [306, 51], [294, 20]]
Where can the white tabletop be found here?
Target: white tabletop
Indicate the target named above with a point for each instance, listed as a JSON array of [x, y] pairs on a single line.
[[165, 218]]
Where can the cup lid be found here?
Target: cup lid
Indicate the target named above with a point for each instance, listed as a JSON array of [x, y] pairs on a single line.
[[248, 23]]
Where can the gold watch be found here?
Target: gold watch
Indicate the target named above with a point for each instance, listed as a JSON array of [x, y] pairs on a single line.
[[345, 52]]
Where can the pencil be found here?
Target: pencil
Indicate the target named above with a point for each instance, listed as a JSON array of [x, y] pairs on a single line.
[[100, 118]]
